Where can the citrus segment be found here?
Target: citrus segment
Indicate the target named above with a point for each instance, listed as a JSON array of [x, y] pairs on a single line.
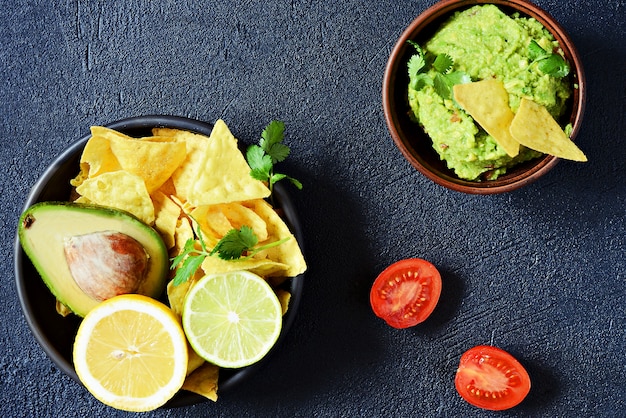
[[232, 319], [130, 352]]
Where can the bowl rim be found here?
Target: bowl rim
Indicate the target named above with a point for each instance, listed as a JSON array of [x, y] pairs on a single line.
[[437, 12], [280, 194]]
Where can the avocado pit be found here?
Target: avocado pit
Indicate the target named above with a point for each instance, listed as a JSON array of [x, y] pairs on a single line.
[[106, 263]]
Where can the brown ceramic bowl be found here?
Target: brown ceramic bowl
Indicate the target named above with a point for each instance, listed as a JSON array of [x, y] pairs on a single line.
[[415, 144]]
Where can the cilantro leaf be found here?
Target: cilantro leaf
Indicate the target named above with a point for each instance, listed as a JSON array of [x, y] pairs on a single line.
[[260, 163], [270, 150], [535, 51], [443, 63], [188, 268], [277, 177], [421, 81], [235, 243], [271, 141], [442, 86], [549, 63], [415, 65], [555, 65]]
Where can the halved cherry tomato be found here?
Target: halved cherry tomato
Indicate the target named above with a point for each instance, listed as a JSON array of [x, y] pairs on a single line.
[[406, 292], [490, 378]]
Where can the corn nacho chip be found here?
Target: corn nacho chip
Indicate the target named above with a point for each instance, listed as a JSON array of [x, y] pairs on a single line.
[[203, 381], [283, 297], [535, 128], [138, 157], [184, 176], [166, 214], [168, 132], [212, 221], [120, 190], [217, 220], [225, 175], [487, 101], [194, 361], [97, 157], [263, 267], [289, 252]]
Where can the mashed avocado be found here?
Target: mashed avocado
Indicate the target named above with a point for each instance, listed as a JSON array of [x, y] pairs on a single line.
[[483, 42]]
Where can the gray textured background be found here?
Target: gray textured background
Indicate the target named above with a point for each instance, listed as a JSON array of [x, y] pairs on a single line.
[[538, 272]]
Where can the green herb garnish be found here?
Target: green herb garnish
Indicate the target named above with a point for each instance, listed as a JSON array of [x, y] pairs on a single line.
[[549, 63], [271, 150], [236, 244], [420, 74]]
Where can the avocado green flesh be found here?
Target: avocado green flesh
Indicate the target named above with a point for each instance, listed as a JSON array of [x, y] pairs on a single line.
[[45, 226]]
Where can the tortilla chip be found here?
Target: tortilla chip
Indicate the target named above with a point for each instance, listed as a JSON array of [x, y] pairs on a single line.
[[213, 223], [288, 252], [487, 101], [263, 267], [217, 220], [184, 176], [97, 157], [203, 381], [120, 190], [535, 128], [62, 309], [240, 215], [176, 296], [194, 361], [182, 234], [283, 297], [167, 188], [224, 174], [139, 157], [167, 132], [166, 214]]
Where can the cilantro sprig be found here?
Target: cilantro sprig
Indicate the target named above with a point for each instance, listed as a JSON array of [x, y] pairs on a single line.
[[442, 79], [548, 62], [236, 244], [271, 150]]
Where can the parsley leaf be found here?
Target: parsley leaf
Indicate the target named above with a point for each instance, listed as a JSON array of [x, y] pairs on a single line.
[[270, 150]]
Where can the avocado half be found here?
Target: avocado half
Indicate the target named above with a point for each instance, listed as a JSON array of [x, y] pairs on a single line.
[[44, 228]]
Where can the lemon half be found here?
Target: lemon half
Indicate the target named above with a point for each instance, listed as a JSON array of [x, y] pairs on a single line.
[[130, 352]]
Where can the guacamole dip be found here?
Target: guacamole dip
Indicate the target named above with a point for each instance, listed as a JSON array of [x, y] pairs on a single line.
[[480, 43]]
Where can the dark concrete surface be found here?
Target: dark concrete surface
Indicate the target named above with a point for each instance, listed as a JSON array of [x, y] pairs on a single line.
[[539, 272]]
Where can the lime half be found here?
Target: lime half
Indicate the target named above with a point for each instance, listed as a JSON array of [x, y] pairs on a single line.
[[232, 319]]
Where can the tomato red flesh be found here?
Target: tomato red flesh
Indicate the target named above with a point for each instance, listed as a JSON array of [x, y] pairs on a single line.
[[406, 292], [490, 378]]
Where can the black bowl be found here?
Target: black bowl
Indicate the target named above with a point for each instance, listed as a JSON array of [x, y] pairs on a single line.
[[55, 333]]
